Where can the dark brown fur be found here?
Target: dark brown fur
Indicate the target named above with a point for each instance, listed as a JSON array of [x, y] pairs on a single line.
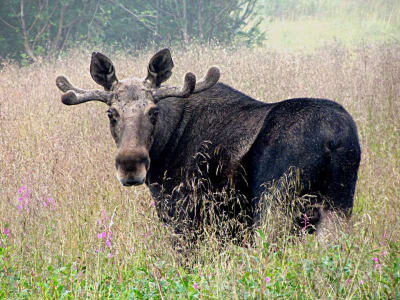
[[218, 149]]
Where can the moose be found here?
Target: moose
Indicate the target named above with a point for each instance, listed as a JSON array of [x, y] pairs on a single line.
[[214, 136]]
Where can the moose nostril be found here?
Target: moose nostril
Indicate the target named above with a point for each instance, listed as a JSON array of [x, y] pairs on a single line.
[[132, 181], [130, 163]]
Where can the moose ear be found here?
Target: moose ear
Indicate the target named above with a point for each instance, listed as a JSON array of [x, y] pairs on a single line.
[[159, 69], [102, 70]]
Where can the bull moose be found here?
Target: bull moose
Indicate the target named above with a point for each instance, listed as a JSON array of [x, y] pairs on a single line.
[[208, 132]]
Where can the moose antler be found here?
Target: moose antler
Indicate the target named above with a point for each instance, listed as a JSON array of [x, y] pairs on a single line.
[[189, 86], [187, 89], [74, 95], [208, 81]]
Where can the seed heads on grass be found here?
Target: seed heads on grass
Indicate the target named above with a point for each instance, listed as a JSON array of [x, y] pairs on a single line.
[[26, 202], [69, 138]]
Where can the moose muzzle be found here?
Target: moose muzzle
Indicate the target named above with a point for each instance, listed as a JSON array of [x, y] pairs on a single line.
[[132, 167]]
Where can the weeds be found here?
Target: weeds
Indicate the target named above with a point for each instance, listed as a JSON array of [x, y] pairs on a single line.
[[73, 232]]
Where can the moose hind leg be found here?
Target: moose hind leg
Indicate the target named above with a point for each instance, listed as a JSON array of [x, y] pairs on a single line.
[[339, 190]]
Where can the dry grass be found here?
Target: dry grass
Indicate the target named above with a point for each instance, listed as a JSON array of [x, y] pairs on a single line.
[[53, 249]]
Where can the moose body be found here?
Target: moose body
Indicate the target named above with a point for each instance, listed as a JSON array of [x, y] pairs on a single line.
[[212, 135]]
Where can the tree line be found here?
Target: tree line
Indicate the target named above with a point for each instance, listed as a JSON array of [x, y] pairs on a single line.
[[30, 29]]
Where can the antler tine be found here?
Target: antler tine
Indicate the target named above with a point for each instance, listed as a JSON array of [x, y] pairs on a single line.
[[74, 95], [72, 98], [190, 86], [187, 89], [211, 78], [64, 85]]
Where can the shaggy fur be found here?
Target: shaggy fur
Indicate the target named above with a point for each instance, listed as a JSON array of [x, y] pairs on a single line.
[[217, 150]]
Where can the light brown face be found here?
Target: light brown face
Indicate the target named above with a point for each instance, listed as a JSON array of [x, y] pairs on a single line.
[[133, 110], [133, 116]]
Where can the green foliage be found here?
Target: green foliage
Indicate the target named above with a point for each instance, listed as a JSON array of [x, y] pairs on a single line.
[[263, 273], [45, 28]]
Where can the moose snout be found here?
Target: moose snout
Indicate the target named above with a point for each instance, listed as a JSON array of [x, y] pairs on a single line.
[[132, 167]]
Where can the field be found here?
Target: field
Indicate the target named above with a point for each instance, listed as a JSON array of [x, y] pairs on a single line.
[[69, 230]]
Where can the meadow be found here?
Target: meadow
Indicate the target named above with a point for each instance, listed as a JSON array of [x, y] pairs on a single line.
[[69, 230]]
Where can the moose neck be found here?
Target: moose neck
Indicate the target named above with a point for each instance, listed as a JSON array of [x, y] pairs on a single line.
[[170, 118]]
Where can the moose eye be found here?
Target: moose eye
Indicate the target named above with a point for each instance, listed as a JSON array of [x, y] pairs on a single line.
[[109, 114], [153, 114], [112, 115]]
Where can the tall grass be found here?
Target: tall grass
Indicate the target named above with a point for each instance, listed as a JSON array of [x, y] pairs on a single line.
[[69, 230]]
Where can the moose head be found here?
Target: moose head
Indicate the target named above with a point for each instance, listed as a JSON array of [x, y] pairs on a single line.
[[133, 107]]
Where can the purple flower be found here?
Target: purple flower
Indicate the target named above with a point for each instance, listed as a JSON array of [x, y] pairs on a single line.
[[49, 203], [348, 281], [6, 231], [109, 255], [22, 190], [24, 199], [108, 243], [153, 203], [375, 259], [195, 286], [384, 253], [267, 279], [361, 282], [101, 235]]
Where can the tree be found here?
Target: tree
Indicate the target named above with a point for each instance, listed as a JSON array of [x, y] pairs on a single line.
[[188, 20], [44, 28]]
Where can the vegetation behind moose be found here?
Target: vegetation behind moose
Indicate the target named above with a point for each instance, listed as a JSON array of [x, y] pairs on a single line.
[[210, 141]]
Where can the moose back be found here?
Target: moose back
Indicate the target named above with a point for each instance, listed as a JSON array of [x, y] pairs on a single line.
[[207, 134]]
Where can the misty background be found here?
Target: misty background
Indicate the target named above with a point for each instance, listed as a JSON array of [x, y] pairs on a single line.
[[34, 29]]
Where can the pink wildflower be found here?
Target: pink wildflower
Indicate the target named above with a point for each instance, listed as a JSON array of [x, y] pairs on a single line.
[[361, 282], [22, 190], [6, 231], [375, 259], [109, 255], [49, 203], [348, 281], [101, 235], [108, 241], [25, 199], [195, 286], [267, 279]]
